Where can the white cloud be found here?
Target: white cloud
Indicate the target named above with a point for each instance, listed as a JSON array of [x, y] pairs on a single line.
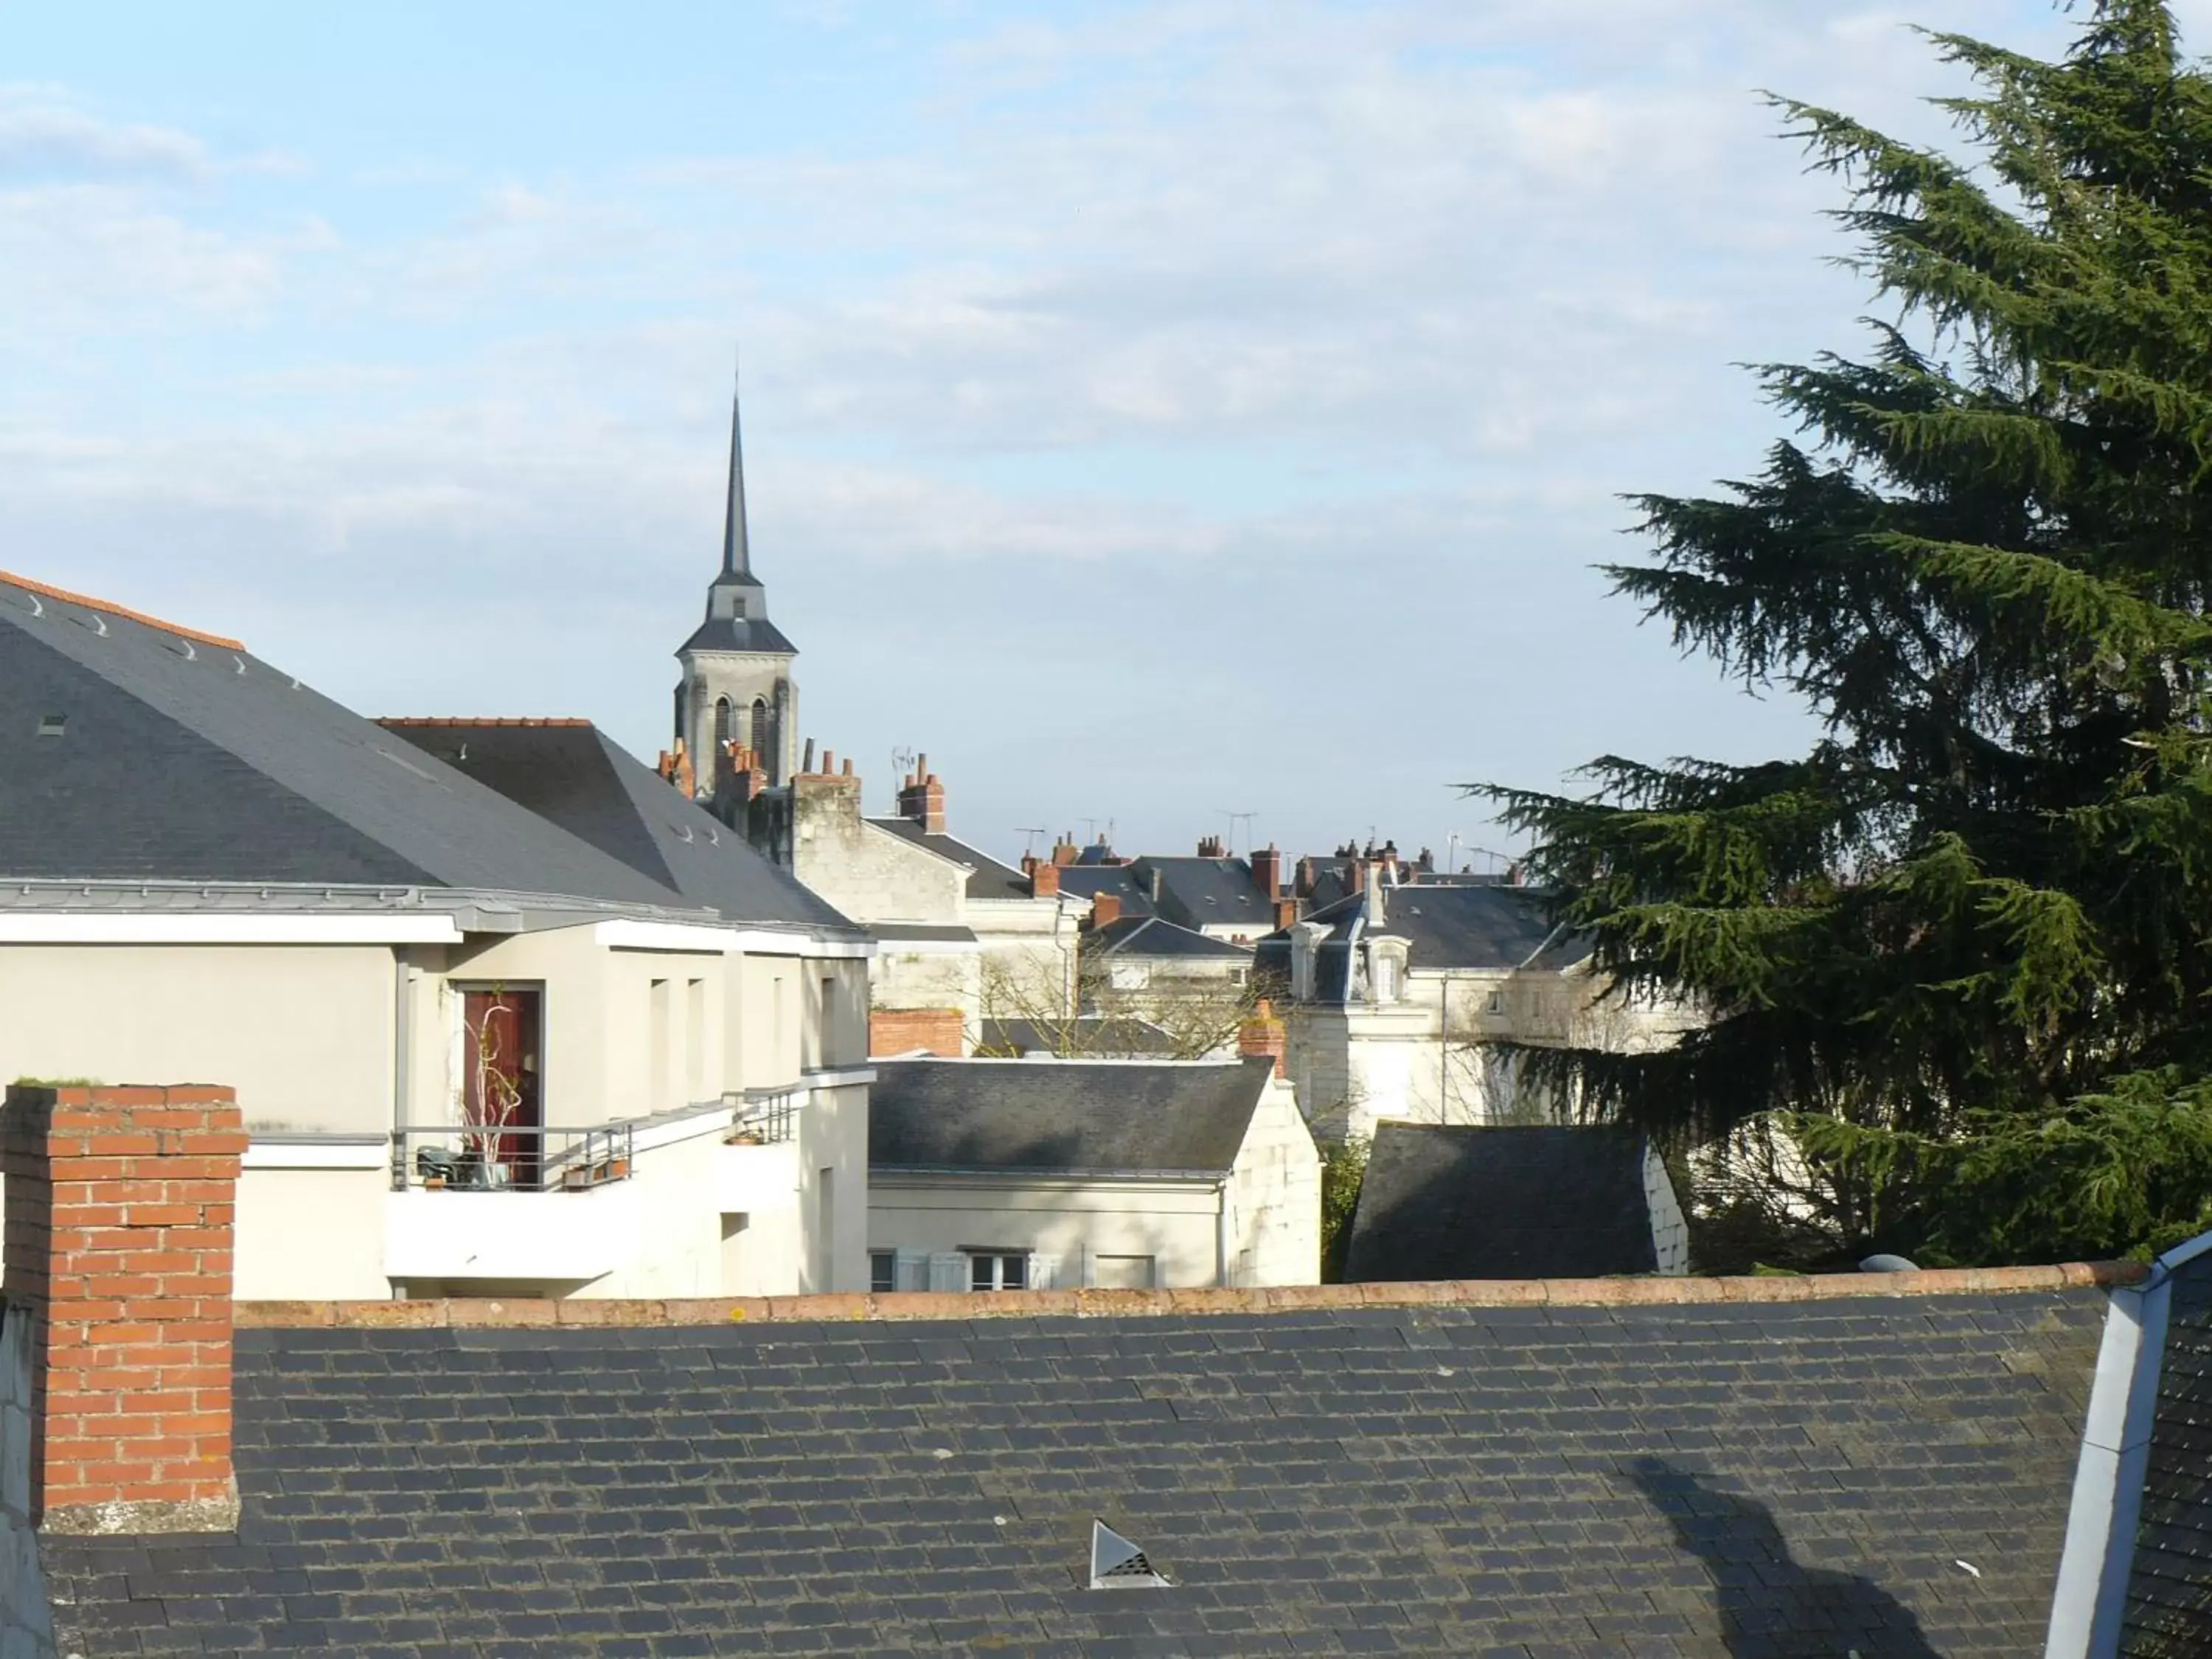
[[44, 133]]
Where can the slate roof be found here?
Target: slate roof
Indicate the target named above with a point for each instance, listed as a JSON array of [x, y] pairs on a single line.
[[1169, 1118], [754, 634], [990, 879], [1118, 880], [1505, 1202], [1200, 892], [1472, 926], [573, 775], [1759, 1479], [921, 932], [183, 760], [1119, 1035], [2169, 1603], [1152, 936]]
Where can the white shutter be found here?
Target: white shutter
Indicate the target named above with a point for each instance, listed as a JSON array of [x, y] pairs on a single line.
[[910, 1270], [1044, 1272], [948, 1271]]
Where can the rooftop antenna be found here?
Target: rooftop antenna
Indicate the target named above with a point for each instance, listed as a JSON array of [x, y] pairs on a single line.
[[1090, 828], [1029, 847], [902, 760], [1235, 819]]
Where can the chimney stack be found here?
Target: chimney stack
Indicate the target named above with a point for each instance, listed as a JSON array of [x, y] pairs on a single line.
[[1065, 851], [1210, 847], [1263, 1034], [1105, 910], [1043, 874], [922, 798], [1268, 871], [1286, 912], [121, 1217], [675, 768]]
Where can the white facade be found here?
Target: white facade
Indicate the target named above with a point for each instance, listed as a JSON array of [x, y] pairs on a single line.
[[884, 880], [661, 1032], [1414, 1044], [1260, 1224]]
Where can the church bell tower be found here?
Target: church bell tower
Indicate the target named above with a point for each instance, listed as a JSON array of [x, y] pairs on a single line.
[[737, 684]]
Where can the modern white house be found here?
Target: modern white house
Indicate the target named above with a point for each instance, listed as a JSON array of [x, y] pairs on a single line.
[[1043, 1173], [504, 1013]]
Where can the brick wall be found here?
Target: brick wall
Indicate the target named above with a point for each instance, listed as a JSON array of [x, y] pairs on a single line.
[[121, 1207], [903, 1030]]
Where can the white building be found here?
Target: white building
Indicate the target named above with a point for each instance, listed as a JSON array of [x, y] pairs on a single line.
[[1005, 1174], [1396, 997], [490, 995]]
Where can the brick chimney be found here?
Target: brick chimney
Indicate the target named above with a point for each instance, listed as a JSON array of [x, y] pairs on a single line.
[[1263, 1034], [1210, 847], [675, 768], [1286, 912], [922, 798], [1065, 852], [1268, 871], [1044, 877], [1105, 910], [121, 1207]]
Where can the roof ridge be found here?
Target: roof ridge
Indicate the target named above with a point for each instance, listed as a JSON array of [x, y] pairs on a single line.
[[846, 1306], [110, 608], [481, 720]]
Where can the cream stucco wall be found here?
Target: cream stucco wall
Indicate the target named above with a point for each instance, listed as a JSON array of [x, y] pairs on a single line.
[[303, 1032], [1177, 1224], [1274, 1196], [324, 1042], [309, 1232]]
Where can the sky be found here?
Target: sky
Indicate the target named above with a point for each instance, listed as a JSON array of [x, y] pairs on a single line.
[[1188, 416]]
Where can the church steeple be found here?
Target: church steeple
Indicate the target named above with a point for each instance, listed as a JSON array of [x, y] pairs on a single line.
[[736, 549], [736, 686]]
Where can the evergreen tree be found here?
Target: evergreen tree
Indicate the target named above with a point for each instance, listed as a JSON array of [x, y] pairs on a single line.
[[1966, 941]]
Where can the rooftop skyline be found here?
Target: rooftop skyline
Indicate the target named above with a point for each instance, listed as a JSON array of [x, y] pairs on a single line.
[[1200, 417]]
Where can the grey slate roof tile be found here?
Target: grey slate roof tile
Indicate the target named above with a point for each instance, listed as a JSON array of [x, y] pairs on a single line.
[[571, 775], [216, 766], [1479, 1201], [1132, 1116], [1449, 1481]]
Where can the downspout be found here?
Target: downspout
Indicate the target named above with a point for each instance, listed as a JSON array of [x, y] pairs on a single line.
[[1221, 1233], [403, 978]]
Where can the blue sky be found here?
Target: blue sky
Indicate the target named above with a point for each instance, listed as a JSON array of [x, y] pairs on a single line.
[[1153, 410]]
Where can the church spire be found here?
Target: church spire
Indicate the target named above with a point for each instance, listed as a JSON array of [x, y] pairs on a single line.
[[737, 553]]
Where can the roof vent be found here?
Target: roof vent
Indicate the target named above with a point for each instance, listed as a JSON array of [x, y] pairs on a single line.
[[1117, 1564], [52, 725]]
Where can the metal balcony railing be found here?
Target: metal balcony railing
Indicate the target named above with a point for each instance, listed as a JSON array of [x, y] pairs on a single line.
[[765, 1117], [516, 1159]]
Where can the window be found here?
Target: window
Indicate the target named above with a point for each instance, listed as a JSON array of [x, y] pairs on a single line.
[[882, 1272], [722, 722], [1386, 978], [1497, 1003], [998, 1270]]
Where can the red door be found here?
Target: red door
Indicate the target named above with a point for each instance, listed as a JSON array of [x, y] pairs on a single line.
[[501, 1055]]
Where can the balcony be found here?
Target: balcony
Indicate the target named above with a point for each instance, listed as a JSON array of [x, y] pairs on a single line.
[[757, 1167], [516, 1203]]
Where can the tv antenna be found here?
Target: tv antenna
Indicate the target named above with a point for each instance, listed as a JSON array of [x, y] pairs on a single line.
[[1090, 828], [1235, 819], [1029, 847], [902, 760]]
